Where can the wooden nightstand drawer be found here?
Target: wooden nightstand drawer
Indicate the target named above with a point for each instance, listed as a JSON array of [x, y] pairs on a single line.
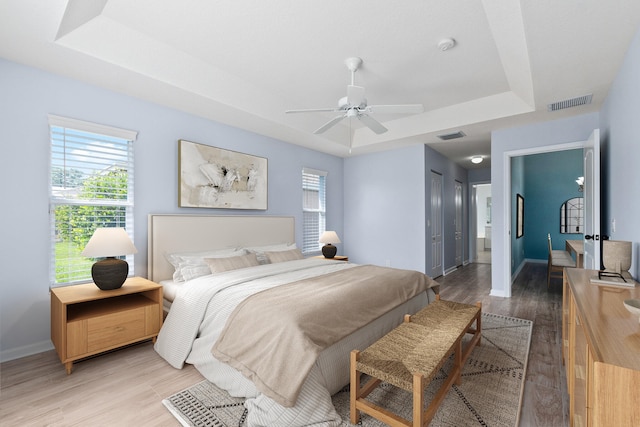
[[103, 332]]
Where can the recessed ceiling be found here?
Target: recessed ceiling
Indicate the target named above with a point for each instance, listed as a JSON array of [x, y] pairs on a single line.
[[246, 63]]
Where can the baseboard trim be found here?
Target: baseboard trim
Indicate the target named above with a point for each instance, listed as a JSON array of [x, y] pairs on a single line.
[[27, 350]]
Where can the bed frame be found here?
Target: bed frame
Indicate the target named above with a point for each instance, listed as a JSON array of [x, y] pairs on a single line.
[[181, 233]]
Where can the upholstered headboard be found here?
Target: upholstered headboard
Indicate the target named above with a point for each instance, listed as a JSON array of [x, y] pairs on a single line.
[[180, 233]]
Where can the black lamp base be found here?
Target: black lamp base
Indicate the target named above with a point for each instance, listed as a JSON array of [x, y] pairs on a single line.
[[110, 273], [329, 251]]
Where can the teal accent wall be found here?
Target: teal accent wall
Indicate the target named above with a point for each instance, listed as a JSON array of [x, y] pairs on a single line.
[[517, 187], [549, 181]]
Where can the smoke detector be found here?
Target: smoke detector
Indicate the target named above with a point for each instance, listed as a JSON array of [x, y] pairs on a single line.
[[446, 44]]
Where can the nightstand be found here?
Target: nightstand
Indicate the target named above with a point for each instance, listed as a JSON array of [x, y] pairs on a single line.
[[86, 320], [336, 258]]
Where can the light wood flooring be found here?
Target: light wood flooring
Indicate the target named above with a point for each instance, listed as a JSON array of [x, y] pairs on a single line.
[[126, 387]]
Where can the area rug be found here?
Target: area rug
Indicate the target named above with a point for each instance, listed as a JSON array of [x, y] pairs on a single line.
[[490, 393]]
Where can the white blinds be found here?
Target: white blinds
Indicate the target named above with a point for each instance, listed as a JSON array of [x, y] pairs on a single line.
[[313, 209], [91, 185]]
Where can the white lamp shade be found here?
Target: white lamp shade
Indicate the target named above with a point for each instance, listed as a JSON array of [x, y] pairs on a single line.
[[329, 237], [109, 242]]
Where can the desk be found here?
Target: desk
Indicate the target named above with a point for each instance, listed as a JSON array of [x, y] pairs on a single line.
[[576, 247]]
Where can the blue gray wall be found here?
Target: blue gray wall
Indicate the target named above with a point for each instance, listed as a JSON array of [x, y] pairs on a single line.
[[620, 134], [28, 96]]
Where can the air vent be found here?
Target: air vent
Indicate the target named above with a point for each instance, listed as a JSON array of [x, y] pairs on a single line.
[[454, 135], [569, 103]]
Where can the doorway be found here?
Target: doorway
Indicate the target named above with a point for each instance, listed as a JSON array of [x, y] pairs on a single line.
[[483, 223]]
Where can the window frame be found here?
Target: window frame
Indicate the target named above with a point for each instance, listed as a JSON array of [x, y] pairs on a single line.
[[57, 198], [320, 209]]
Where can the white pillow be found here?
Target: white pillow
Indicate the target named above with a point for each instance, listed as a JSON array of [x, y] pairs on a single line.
[[261, 250], [189, 265], [218, 265], [282, 256]]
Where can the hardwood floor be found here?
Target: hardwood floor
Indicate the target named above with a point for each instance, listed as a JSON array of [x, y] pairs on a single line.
[[126, 387], [545, 399]]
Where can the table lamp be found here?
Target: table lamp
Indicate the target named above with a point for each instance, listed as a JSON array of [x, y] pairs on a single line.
[[108, 243], [329, 237]]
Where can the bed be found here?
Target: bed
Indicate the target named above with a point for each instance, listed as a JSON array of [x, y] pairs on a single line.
[[228, 325]]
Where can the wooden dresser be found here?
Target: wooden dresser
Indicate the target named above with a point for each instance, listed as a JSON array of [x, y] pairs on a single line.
[[601, 351]]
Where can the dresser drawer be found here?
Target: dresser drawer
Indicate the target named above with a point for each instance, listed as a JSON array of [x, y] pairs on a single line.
[[104, 332]]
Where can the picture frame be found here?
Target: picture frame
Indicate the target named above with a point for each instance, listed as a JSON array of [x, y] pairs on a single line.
[[519, 216], [212, 177]]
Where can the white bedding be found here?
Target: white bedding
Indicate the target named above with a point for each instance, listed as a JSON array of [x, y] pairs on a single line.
[[201, 308]]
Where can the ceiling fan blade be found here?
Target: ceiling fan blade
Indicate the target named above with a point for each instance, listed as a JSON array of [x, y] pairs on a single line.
[[312, 110], [396, 109], [355, 95], [372, 123], [331, 123]]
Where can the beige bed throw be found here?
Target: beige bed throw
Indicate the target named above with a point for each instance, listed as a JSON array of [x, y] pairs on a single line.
[[275, 336]]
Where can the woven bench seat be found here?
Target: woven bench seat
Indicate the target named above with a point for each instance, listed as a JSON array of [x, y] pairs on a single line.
[[410, 356]]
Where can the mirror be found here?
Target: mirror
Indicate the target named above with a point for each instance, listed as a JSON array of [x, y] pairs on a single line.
[[572, 216]]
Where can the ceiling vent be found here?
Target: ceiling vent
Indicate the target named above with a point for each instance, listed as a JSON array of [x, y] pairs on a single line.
[[569, 103], [454, 135]]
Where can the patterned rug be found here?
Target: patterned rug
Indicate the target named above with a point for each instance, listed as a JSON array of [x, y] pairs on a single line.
[[490, 393]]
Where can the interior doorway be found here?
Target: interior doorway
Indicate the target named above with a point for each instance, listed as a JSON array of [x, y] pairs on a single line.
[[483, 223]]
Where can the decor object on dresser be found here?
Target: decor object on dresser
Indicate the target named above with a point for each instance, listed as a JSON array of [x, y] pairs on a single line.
[[109, 242], [86, 321], [211, 177], [633, 307], [329, 237]]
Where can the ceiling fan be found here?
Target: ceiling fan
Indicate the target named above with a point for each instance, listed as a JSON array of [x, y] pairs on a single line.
[[355, 105]]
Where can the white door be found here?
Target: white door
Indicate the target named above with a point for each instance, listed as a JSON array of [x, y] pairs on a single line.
[[592, 201], [458, 222], [436, 225]]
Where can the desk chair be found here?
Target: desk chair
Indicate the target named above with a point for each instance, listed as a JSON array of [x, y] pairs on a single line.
[[557, 261]]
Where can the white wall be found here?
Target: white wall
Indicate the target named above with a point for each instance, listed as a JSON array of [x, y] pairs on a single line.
[[28, 95]]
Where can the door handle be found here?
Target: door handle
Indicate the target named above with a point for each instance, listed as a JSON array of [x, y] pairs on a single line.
[[588, 236]]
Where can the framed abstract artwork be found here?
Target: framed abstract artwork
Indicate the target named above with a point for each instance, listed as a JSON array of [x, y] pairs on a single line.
[[519, 216], [211, 177]]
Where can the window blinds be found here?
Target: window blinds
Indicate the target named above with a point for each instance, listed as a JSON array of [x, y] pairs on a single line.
[[91, 186], [313, 209]]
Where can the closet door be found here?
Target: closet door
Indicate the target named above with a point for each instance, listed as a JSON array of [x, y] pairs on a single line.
[[436, 225]]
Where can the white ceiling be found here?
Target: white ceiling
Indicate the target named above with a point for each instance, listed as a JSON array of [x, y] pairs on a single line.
[[245, 62]]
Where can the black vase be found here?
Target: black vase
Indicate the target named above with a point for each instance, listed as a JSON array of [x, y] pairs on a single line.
[[329, 251], [109, 273]]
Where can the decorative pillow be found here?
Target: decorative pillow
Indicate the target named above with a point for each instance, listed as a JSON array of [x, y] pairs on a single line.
[[218, 265], [261, 250], [189, 265], [282, 256]]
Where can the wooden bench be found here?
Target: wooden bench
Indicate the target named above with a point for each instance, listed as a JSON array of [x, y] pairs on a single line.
[[410, 356]]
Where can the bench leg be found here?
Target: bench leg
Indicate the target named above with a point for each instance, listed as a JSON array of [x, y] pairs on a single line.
[[457, 367], [418, 398], [479, 323], [354, 388]]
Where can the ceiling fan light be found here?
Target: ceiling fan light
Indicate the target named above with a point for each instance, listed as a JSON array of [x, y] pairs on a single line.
[[476, 159]]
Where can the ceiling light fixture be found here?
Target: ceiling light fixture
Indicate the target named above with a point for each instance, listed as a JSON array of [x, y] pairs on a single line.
[[476, 159]]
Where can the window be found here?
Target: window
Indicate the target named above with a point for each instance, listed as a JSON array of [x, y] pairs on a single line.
[[91, 185], [313, 209]]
